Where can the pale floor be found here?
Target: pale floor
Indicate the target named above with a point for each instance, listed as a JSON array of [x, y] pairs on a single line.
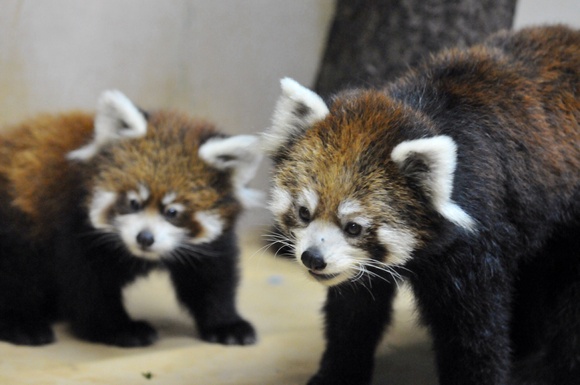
[[275, 295]]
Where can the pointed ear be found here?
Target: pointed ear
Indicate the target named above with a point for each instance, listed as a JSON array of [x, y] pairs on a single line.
[[297, 109], [116, 118], [431, 163], [241, 155]]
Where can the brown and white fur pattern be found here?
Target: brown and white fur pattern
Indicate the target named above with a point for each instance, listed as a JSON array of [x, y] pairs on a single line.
[[91, 202], [462, 177]]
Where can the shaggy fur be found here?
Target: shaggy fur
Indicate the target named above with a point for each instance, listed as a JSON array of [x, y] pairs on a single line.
[[90, 202], [462, 177]]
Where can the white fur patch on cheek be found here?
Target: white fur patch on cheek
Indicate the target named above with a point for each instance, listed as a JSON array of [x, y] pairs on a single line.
[[101, 202], [166, 237], [399, 243], [212, 224], [280, 201]]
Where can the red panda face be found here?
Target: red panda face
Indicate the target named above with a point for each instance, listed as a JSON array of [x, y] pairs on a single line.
[[164, 184], [154, 227], [339, 242], [342, 219], [351, 193]]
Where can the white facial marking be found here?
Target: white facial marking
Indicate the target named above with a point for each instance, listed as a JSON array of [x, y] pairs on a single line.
[[280, 201], [309, 199], [166, 237], [399, 243], [134, 196], [350, 210], [213, 226], [349, 207], [340, 256], [143, 192], [176, 206], [440, 154], [101, 201], [168, 198]]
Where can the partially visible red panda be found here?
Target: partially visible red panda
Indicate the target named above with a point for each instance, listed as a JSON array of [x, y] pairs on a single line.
[[90, 202], [462, 177]]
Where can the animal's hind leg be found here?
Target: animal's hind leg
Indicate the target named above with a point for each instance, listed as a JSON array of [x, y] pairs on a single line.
[[25, 297], [546, 326]]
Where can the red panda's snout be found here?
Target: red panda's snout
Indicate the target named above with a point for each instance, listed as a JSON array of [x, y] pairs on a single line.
[[327, 254], [340, 242], [149, 228]]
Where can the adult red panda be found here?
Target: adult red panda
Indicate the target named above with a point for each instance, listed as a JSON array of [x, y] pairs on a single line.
[[463, 177], [90, 202]]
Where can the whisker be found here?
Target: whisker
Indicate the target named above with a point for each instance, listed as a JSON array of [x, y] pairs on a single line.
[[281, 241], [362, 269]]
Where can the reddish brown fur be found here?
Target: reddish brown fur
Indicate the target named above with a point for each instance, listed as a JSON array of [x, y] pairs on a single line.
[[165, 164], [83, 216], [350, 167], [500, 291], [33, 166], [42, 182]]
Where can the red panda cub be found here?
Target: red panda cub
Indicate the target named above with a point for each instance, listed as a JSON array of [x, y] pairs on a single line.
[[90, 202], [463, 178]]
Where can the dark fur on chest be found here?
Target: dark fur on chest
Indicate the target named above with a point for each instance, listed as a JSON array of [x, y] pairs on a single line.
[[497, 277]]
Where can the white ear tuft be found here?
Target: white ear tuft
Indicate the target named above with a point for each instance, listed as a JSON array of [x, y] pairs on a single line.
[[439, 155], [116, 118], [297, 109], [241, 154]]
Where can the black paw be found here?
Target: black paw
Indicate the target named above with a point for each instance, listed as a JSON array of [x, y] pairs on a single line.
[[237, 333], [127, 335], [26, 334]]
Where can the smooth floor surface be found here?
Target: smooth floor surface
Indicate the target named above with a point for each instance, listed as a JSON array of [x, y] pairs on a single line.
[[275, 295]]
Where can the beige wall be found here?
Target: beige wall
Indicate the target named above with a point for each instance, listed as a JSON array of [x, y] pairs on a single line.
[[220, 60], [217, 59], [531, 12]]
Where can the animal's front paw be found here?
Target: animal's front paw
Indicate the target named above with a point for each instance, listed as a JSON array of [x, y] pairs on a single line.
[[127, 335], [32, 335], [238, 333]]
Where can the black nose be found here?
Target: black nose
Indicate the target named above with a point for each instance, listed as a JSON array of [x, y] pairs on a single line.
[[145, 238], [312, 259]]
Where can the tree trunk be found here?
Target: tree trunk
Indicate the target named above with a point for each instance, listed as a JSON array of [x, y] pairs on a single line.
[[372, 41]]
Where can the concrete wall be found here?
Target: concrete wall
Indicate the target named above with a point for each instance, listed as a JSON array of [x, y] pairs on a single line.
[[217, 59], [531, 12], [221, 60]]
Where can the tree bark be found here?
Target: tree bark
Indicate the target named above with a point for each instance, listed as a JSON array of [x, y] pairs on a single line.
[[373, 41]]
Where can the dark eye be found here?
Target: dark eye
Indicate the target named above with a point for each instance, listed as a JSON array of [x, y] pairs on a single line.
[[353, 229], [134, 205], [171, 212], [304, 214]]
